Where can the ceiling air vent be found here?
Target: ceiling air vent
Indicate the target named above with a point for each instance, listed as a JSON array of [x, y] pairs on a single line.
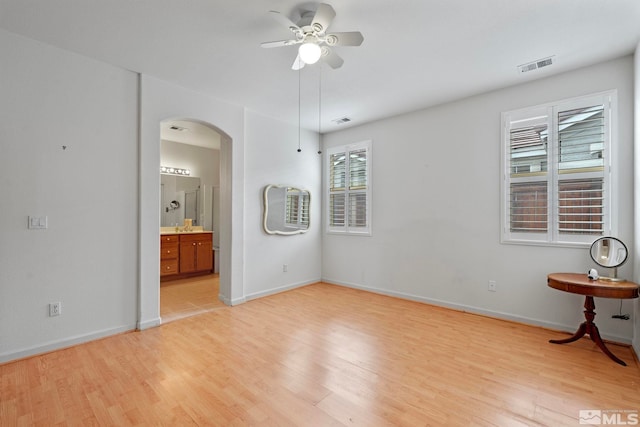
[[540, 63], [341, 120]]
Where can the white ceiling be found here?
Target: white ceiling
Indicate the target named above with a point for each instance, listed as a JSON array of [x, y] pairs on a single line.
[[416, 53]]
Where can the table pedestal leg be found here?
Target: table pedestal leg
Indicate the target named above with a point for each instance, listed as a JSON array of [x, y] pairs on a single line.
[[588, 327]]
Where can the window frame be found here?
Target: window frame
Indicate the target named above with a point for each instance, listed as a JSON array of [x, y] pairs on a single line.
[[547, 113], [346, 229]]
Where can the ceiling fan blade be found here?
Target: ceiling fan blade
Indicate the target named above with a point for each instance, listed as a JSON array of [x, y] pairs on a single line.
[[285, 21], [298, 63], [351, 38], [279, 43], [323, 17], [331, 58]]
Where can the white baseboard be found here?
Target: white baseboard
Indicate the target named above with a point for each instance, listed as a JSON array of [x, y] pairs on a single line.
[[146, 324], [477, 310], [274, 291], [232, 302], [64, 343]]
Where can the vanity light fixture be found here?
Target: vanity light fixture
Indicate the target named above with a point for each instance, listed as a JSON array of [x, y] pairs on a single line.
[[174, 171]]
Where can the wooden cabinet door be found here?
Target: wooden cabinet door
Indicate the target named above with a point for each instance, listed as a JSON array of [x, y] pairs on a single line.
[[188, 254], [196, 252], [204, 256]]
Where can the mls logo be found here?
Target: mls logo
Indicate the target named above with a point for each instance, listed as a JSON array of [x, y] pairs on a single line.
[[590, 416], [618, 417]]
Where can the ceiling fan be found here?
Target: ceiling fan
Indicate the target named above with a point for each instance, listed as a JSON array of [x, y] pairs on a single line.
[[311, 34]]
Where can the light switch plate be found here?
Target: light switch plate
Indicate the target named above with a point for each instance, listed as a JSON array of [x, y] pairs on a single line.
[[37, 222]]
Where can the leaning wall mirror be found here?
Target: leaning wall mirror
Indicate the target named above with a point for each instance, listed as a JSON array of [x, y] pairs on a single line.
[[286, 210], [611, 253]]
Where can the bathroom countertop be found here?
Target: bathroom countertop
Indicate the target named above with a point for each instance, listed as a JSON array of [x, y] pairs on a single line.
[[172, 230]]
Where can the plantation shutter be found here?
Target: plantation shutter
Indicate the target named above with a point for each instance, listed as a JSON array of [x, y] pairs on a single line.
[[557, 169], [358, 188], [337, 189], [349, 189], [580, 160], [304, 209], [292, 209], [528, 170], [297, 207]]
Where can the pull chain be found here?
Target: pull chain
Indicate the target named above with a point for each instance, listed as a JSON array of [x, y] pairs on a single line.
[[299, 106], [319, 106]]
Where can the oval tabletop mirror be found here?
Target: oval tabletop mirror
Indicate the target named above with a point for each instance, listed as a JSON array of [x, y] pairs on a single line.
[[611, 253]]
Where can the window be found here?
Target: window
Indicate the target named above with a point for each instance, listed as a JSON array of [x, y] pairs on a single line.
[[557, 171], [349, 189]]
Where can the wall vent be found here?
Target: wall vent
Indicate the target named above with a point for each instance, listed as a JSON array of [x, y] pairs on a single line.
[[540, 63], [341, 120]]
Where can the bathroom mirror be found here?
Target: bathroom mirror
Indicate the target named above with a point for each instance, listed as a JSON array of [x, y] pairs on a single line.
[[179, 199], [611, 253], [286, 210]]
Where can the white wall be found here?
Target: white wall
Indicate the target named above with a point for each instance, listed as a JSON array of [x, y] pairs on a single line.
[[636, 246], [100, 254], [159, 101], [272, 158], [87, 258], [248, 138], [436, 181]]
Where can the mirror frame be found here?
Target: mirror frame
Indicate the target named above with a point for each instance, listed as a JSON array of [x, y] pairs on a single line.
[[596, 249], [266, 211]]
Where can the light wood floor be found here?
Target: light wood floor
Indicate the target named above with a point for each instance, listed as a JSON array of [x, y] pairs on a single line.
[[321, 355], [188, 297]]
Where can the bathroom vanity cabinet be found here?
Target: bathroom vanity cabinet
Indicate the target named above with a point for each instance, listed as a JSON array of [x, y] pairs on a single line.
[[169, 252], [196, 252], [186, 254]]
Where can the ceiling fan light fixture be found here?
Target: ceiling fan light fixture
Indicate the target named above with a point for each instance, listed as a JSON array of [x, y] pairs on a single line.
[[310, 31], [309, 52]]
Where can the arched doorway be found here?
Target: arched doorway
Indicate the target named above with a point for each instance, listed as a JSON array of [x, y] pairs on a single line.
[[189, 190]]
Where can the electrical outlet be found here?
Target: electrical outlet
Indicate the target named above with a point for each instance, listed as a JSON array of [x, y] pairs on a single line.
[[285, 268], [492, 286], [55, 309]]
